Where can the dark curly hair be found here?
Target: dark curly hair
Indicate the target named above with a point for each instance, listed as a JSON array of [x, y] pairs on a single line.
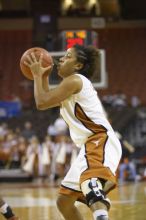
[[90, 57]]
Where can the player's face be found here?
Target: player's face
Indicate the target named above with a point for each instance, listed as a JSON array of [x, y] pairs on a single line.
[[67, 64]]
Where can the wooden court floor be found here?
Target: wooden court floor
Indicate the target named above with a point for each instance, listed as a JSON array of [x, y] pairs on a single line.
[[37, 202]]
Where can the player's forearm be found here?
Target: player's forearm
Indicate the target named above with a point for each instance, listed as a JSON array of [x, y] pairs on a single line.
[[43, 98], [45, 83], [39, 91]]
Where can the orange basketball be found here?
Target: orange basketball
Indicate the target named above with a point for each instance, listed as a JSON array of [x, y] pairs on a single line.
[[46, 60]]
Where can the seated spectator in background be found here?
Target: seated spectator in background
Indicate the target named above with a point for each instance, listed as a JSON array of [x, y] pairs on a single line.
[[127, 168], [107, 100], [16, 98], [74, 153], [135, 101], [31, 158], [119, 100], [7, 145], [14, 161], [60, 126], [64, 153], [38, 158], [51, 131], [4, 154], [28, 131], [3, 129], [45, 157], [22, 148], [61, 146]]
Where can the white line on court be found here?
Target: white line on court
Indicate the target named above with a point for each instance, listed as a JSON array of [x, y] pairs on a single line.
[[45, 202]]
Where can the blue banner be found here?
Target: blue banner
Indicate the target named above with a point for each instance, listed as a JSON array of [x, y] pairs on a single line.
[[9, 109]]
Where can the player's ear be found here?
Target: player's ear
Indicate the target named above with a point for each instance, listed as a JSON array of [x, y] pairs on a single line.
[[78, 66]]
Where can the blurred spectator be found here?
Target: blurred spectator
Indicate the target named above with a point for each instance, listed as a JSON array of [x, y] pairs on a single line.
[[14, 161], [4, 154], [3, 129], [28, 131], [31, 158], [16, 98], [135, 101], [46, 156], [107, 100], [119, 100], [127, 167], [9, 141], [60, 126], [22, 148], [7, 145], [52, 130], [59, 158]]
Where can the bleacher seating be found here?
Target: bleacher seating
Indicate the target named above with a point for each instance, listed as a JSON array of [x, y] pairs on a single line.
[[12, 46], [126, 52], [121, 118], [40, 120]]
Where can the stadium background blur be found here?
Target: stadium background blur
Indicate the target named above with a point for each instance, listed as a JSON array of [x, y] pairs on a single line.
[[120, 27]]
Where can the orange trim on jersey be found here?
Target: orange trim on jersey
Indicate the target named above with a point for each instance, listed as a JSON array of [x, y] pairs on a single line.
[[95, 159], [86, 121], [71, 192], [95, 149]]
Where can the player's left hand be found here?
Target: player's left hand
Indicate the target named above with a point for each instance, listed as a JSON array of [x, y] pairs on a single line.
[[36, 66]]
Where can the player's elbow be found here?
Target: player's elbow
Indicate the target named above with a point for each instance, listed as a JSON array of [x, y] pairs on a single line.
[[40, 104], [43, 103]]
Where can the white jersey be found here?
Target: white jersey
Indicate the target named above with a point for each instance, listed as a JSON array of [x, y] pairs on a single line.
[[84, 113]]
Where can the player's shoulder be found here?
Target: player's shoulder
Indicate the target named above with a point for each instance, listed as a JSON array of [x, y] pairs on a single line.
[[75, 78], [86, 83], [72, 82]]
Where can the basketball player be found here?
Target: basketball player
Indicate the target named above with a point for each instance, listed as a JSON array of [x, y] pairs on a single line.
[[93, 173], [6, 211]]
